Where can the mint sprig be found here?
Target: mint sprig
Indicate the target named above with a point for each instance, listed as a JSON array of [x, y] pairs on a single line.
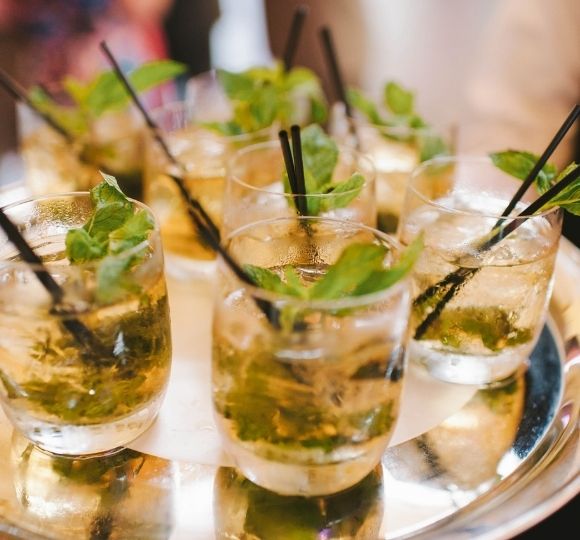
[[109, 237], [263, 95], [398, 111], [358, 271], [320, 156], [519, 164], [104, 93]]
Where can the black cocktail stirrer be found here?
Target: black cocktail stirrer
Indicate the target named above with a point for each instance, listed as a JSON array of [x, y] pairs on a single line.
[[337, 79], [299, 169], [201, 219], [191, 202], [81, 333], [499, 235], [294, 36], [19, 94]]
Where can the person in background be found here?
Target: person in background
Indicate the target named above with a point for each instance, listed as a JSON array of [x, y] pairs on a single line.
[[526, 82]]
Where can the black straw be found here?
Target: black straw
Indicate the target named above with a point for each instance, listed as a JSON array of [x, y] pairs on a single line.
[[561, 133], [135, 98], [288, 161], [81, 333], [19, 94], [190, 201], [337, 79], [299, 170], [294, 36], [335, 73], [460, 276]]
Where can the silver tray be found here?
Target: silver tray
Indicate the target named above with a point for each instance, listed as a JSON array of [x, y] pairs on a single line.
[[506, 460]]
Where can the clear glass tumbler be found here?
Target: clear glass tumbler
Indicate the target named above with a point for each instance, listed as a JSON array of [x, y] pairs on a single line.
[[203, 153], [73, 392], [478, 308], [54, 165], [306, 400], [255, 188]]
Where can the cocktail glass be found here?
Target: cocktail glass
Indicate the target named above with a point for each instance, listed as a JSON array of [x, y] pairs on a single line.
[[481, 323], [55, 165], [307, 399], [255, 189], [395, 151], [203, 154], [70, 395]]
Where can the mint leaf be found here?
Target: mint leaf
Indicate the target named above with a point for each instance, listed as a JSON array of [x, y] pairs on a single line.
[[359, 101], [227, 129], [319, 153], [569, 197], [107, 93], [112, 280], [70, 119], [399, 100], [354, 265], [261, 96], [236, 85], [383, 279], [112, 230], [343, 193], [112, 208], [431, 146], [82, 247], [266, 279], [519, 165], [132, 233]]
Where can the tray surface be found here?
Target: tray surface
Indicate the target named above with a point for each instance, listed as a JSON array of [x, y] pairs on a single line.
[[501, 462]]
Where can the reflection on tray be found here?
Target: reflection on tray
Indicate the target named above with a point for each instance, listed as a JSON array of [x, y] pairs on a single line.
[[244, 510], [122, 495]]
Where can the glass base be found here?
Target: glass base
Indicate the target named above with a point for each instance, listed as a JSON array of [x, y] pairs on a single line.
[[307, 480], [84, 440], [480, 370]]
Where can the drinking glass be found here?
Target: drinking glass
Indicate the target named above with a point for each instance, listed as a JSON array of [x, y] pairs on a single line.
[[203, 153], [306, 399], [497, 296], [55, 165], [395, 152], [255, 188], [73, 392]]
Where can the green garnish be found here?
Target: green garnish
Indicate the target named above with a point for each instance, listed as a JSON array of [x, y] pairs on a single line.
[[102, 94], [109, 238], [519, 165], [320, 156], [359, 270], [493, 326], [264, 95], [399, 103]]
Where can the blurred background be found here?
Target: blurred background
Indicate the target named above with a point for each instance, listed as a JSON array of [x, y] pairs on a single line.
[[503, 73]]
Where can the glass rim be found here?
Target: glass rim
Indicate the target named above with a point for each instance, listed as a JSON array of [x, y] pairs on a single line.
[[184, 105], [363, 123], [6, 263], [468, 159], [321, 305], [242, 152]]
